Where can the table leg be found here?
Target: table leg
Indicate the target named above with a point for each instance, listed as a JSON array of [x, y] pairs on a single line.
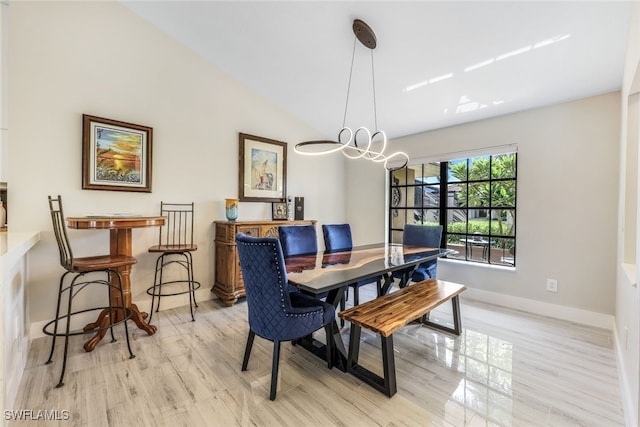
[[319, 349], [139, 318], [104, 319], [388, 282], [119, 244]]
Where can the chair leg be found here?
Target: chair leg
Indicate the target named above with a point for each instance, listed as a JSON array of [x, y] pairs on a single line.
[[66, 335], [356, 296], [192, 281], [125, 313], [274, 369], [112, 314], [55, 327], [160, 282], [192, 292], [247, 349], [159, 262], [343, 306], [330, 347], [126, 333]]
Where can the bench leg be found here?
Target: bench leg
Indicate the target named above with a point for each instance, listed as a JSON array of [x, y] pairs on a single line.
[[354, 346], [457, 323], [386, 384], [389, 366]]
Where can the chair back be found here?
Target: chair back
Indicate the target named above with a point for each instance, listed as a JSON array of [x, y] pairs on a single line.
[[422, 235], [298, 240], [177, 231], [60, 231], [337, 237], [265, 282]]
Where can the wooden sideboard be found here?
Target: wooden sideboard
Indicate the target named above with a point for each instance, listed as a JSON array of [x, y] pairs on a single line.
[[228, 285]]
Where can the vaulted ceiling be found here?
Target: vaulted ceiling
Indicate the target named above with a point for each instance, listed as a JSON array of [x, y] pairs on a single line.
[[436, 64]]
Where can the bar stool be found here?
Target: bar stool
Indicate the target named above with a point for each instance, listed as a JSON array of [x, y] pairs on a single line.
[[111, 315], [175, 246]]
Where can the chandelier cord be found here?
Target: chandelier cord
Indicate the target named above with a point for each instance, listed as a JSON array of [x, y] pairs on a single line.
[[346, 104], [373, 80]]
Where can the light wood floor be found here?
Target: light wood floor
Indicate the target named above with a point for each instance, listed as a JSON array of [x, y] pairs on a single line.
[[507, 368]]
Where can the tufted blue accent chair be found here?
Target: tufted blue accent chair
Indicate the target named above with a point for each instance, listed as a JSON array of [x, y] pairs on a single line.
[[337, 237], [276, 313], [298, 239], [421, 235]]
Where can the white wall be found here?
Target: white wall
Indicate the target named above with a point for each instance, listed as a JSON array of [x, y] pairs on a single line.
[[98, 58], [566, 204], [627, 308]]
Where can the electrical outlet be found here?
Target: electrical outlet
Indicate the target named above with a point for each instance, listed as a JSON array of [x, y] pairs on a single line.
[[552, 285]]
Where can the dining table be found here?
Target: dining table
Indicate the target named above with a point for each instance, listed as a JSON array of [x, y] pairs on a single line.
[[120, 243], [329, 273]]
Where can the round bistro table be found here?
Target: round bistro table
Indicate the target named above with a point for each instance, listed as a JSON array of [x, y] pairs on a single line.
[[120, 243]]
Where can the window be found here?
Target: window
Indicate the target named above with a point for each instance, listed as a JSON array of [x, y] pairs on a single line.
[[473, 198]]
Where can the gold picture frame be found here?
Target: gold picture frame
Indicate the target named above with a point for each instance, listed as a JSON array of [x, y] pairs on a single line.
[[263, 169], [116, 155]]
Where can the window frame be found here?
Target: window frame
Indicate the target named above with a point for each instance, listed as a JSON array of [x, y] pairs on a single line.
[[488, 243]]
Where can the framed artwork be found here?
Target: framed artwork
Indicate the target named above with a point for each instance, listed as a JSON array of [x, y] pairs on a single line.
[[263, 169], [116, 155], [279, 210]]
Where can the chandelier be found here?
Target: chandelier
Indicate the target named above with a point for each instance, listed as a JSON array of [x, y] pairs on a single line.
[[358, 144]]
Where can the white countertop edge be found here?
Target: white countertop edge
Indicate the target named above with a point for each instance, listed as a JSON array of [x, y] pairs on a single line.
[[17, 244]]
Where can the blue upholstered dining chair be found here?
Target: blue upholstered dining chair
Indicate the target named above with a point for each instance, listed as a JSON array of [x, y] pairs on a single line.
[[421, 235], [337, 237], [276, 313], [298, 239], [301, 240]]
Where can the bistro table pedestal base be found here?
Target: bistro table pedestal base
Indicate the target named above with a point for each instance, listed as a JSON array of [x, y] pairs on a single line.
[[104, 319]]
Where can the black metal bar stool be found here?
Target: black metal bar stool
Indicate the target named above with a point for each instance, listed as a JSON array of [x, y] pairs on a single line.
[[175, 246], [81, 269]]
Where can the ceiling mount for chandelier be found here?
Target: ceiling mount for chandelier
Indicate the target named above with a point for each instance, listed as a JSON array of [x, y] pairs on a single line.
[[358, 144]]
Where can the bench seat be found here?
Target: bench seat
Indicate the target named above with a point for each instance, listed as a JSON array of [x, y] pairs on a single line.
[[387, 314]]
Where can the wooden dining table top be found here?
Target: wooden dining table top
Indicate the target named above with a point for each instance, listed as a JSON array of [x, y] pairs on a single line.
[[323, 271]]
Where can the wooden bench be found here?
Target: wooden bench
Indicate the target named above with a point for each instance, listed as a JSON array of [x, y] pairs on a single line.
[[387, 314]]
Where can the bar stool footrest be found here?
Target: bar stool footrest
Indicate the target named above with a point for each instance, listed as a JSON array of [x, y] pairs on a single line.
[[46, 329], [155, 290]]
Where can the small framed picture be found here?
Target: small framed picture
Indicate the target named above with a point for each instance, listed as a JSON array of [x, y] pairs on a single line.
[[279, 210]]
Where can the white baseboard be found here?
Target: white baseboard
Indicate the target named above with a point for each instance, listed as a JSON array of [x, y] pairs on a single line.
[[576, 315], [625, 393]]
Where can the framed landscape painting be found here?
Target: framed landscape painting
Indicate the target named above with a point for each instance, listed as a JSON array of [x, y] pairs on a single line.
[[263, 169], [115, 155]]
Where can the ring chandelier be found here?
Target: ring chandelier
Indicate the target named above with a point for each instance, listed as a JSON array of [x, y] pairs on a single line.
[[358, 144]]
